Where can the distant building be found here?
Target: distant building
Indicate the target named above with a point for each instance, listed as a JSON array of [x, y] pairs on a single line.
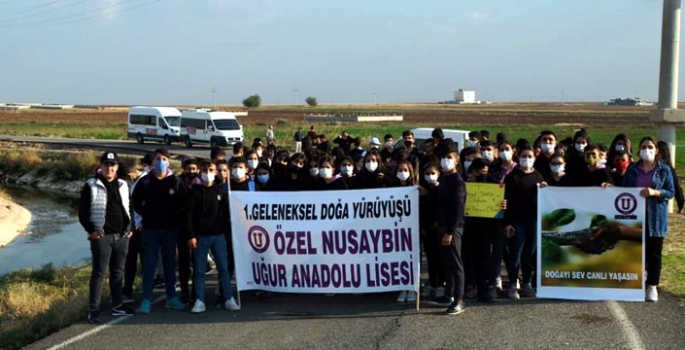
[[629, 102], [465, 96]]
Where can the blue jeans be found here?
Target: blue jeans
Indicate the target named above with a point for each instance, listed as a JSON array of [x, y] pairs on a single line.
[[217, 244], [153, 241], [522, 248]]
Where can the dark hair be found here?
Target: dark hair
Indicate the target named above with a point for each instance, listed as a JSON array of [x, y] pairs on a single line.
[[434, 165], [485, 134], [264, 166], [163, 151], [239, 160], [326, 159], [522, 143], [224, 161], [486, 143], [449, 148], [504, 142], [438, 134], [238, 147], [407, 133], [475, 134], [477, 164], [581, 133], [664, 154], [602, 147], [189, 161], [591, 147], [388, 136], [206, 163], [412, 172], [215, 152], [501, 136], [548, 132]]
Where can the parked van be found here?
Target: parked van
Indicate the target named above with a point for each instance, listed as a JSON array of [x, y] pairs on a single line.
[[203, 126], [154, 123], [460, 137]]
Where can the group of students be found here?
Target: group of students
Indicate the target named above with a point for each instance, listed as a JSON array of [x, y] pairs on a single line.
[[188, 214]]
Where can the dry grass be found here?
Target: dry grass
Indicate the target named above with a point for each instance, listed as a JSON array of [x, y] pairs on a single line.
[[673, 272]]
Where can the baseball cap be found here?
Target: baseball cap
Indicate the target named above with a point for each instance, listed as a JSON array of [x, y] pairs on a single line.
[[109, 157], [375, 141]]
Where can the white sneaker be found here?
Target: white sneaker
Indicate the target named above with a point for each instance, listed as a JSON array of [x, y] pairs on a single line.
[[427, 291], [230, 304], [652, 294], [411, 296], [402, 297], [513, 293], [498, 284], [439, 292], [198, 307]]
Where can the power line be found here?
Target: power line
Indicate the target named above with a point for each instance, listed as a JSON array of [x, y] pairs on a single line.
[[33, 8], [79, 17], [7, 2], [29, 15]]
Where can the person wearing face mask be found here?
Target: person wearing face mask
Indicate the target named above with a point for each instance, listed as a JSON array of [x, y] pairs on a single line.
[[620, 164], [252, 161], [548, 144], [135, 244], [575, 155], [430, 237], [474, 137], [477, 241], [206, 219], [328, 179], [347, 172], [388, 148], [467, 156], [558, 176], [488, 152], [373, 174], [190, 173], [593, 174], [404, 176], [664, 156], [657, 183], [191, 178], [621, 143], [159, 198], [504, 164], [520, 221], [344, 141], [263, 175], [295, 177], [450, 222]]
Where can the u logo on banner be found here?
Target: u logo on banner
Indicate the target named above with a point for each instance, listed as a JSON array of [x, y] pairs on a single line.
[[258, 238], [625, 203]]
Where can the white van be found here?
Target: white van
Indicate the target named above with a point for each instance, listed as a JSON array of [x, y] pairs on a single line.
[[154, 123], [216, 129], [460, 137]]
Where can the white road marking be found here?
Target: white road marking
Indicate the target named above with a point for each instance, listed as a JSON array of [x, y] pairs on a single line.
[[98, 329], [627, 327]]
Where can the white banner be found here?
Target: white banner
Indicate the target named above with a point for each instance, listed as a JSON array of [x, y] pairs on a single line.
[[328, 241], [590, 243]]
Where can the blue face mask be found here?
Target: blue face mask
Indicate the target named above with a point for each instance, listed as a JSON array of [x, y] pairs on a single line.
[[161, 166], [263, 178]]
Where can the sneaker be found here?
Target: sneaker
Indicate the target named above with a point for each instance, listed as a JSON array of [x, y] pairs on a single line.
[[513, 293], [402, 297], [175, 303], [411, 296], [442, 301], [145, 307], [198, 307], [122, 310], [94, 316], [498, 284], [454, 309], [439, 292], [230, 304], [528, 291], [470, 292], [486, 296], [652, 294], [427, 291], [492, 292]]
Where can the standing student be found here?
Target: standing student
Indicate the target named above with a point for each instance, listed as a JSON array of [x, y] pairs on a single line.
[[450, 222], [621, 143], [206, 219], [620, 162], [347, 172], [373, 174], [159, 198], [404, 176], [298, 140], [328, 180], [656, 180], [270, 138], [263, 175], [594, 174], [548, 145], [558, 176], [104, 213], [520, 192], [428, 203]]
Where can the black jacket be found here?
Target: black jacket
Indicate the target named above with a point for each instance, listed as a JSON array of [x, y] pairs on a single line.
[[521, 193], [451, 202], [160, 202], [206, 213]]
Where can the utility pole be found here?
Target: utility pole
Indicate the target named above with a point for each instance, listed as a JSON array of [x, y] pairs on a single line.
[[214, 96], [375, 99], [667, 116], [296, 92]]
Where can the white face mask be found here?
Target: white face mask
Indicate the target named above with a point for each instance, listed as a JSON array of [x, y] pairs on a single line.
[[313, 172], [346, 170], [547, 147], [472, 143], [648, 154], [264, 178], [557, 169], [505, 155], [389, 144], [602, 162], [371, 166], [488, 155], [259, 153], [208, 177], [252, 164], [326, 173], [526, 163], [238, 173], [580, 147], [620, 148], [431, 179], [467, 164], [403, 175], [447, 164]]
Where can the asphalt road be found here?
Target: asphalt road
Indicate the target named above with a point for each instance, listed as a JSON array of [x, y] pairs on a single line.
[[376, 321], [117, 145]]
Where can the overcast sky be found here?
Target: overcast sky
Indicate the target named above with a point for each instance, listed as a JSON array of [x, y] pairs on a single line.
[[341, 51]]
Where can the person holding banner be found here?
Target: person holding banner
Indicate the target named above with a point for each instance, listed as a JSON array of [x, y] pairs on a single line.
[[558, 176], [206, 219], [450, 221], [656, 180], [373, 174], [404, 176], [428, 202], [520, 218]]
